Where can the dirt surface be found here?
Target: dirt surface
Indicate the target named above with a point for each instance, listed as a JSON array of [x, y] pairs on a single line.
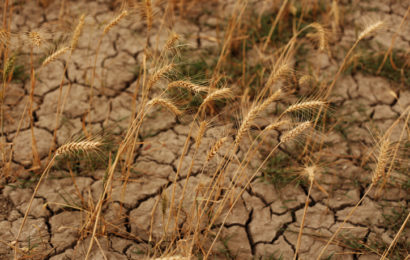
[[265, 222]]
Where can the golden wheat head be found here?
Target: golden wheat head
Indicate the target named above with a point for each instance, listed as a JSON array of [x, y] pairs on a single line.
[[74, 147]]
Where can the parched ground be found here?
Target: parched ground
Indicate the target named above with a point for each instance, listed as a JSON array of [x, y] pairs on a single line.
[[265, 221]]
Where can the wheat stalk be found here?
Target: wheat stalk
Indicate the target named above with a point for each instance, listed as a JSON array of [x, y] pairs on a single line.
[[322, 35], [159, 73], [35, 38], [165, 103], [54, 56], [253, 113], [148, 13], [73, 147], [217, 94], [304, 105], [381, 161], [278, 73], [201, 131], [215, 148], [115, 21], [171, 41], [187, 85], [295, 131], [370, 29], [77, 32]]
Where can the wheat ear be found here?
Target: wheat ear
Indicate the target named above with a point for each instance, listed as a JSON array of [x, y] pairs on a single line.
[[35, 38], [187, 85], [305, 105], [77, 32], [295, 131], [217, 94], [148, 13], [159, 74], [201, 131], [165, 103], [253, 113], [82, 146], [381, 161], [215, 148], [54, 56], [171, 41], [322, 35], [370, 29], [115, 21]]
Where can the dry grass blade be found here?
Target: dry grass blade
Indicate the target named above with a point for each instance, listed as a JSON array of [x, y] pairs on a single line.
[[165, 103], [54, 56], [115, 21], [292, 134], [82, 146]]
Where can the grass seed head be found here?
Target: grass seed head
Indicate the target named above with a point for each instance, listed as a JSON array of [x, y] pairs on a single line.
[[165, 103], [215, 148], [292, 134], [382, 161], [77, 32], [371, 28], [115, 21], [54, 56], [74, 147]]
